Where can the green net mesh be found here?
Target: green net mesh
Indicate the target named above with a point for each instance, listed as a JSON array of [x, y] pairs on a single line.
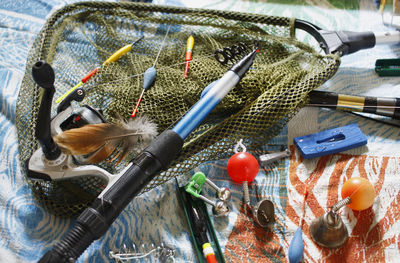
[[79, 37]]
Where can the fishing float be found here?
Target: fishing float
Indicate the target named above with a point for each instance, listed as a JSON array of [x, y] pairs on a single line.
[[188, 54], [114, 57], [149, 76]]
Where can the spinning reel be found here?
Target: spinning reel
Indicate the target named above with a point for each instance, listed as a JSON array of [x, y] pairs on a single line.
[[48, 162]]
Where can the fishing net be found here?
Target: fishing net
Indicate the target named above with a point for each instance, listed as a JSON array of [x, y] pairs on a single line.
[[79, 37]]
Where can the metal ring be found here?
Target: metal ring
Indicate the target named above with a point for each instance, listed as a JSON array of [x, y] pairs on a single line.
[[236, 51], [243, 46], [218, 53], [228, 53], [239, 145], [232, 53]]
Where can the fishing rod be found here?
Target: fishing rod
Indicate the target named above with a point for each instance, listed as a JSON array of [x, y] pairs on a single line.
[[384, 106], [96, 219], [346, 42]]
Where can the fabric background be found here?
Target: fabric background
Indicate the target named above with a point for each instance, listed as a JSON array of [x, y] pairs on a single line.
[[27, 230]]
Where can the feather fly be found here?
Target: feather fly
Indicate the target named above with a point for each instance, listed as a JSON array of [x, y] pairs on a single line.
[[103, 140]]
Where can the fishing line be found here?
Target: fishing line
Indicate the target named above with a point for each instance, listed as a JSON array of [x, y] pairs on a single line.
[[141, 74]]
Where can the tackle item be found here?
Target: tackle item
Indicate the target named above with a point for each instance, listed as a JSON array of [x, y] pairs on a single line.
[[95, 220], [360, 191], [200, 226], [48, 159], [269, 158], [188, 54], [346, 42], [296, 245], [224, 194], [387, 67], [257, 109], [329, 230], [161, 253], [73, 130], [114, 57], [197, 181], [194, 187], [384, 106], [243, 167], [197, 221], [149, 75], [231, 54], [109, 141], [264, 212], [330, 141]]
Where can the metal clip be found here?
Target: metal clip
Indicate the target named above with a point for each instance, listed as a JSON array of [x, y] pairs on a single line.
[[266, 159], [195, 185]]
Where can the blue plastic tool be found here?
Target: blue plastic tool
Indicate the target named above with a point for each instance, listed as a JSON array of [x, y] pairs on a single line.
[[296, 247], [330, 141]]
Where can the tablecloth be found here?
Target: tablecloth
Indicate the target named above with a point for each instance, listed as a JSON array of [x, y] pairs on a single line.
[[27, 231]]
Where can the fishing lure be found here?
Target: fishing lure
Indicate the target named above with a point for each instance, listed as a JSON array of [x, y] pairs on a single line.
[[114, 57]]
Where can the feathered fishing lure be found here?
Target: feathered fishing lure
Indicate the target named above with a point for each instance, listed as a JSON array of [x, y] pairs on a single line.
[[101, 141]]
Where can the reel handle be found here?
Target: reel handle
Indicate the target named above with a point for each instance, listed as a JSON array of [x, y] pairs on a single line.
[[43, 75]]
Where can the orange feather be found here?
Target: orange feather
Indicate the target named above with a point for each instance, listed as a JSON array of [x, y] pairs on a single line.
[[100, 141]]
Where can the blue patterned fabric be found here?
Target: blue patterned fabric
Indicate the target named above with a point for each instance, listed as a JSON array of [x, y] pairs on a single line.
[[27, 231]]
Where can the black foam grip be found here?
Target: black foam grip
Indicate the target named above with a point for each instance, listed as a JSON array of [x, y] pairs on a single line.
[[356, 41], [97, 218]]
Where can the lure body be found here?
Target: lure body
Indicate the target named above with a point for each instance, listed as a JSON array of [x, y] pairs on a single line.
[[148, 80], [119, 53], [296, 247], [209, 254], [188, 54]]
